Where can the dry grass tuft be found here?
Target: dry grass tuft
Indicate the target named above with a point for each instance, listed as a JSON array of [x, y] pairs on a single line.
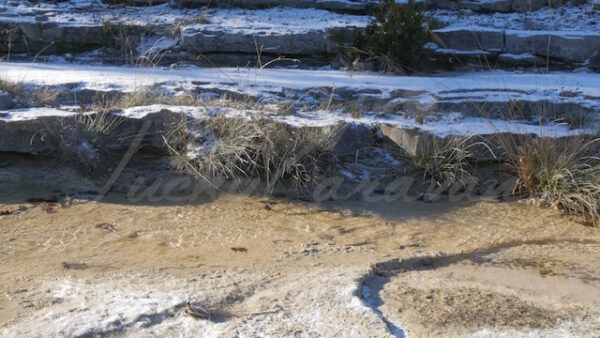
[[444, 161], [30, 96], [201, 19], [13, 88], [138, 98], [186, 100], [237, 148], [562, 173], [84, 141], [45, 96]]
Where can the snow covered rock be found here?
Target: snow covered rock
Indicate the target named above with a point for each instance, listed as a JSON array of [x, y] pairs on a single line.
[[175, 33], [310, 42], [534, 5], [570, 47], [503, 6], [467, 39], [594, 63], [350, 6], [569, 35], [335, 5], [526, 59]]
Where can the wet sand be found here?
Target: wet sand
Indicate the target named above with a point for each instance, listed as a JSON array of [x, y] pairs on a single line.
[[261, 266]]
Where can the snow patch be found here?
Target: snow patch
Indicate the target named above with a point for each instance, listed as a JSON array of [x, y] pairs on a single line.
[[493, 86]]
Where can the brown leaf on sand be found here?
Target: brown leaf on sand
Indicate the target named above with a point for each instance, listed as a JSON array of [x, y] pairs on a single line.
[[17, 211], [106, 227], [238, 249], [69, 202], [196, 311], [74, 266], [49, 207]]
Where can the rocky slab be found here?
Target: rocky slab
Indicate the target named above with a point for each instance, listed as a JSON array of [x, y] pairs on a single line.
[[128, 34], [485, 103], [496, 94], [567, 36], [359, 6]]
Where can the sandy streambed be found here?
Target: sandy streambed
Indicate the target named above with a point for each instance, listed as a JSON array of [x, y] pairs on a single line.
[[266, 267]]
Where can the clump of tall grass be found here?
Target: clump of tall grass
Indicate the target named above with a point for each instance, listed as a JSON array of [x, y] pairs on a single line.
[[562, 173], [30, 96], [83, 141], [45, 96], [238, 148], [138, 98], [13, 88], [444, 160]]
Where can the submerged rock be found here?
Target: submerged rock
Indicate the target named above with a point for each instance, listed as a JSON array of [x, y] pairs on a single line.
[[595, 62], [5, 100]]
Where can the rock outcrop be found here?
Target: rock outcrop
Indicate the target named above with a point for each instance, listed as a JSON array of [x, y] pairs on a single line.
[[5, 100], [236, 32]]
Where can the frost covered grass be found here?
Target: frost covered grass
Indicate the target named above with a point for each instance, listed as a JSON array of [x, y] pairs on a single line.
[[143, 97], [444, 160], [46, 96], [238, 148], [84, 141], [560, 172], [138, 98], [30, 96], [13, 88], [147, 97]]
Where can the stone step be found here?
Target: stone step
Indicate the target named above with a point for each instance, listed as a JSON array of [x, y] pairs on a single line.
[[34, 135], [360, 6], [507, 6], [470, 104], [343, 6], [480, 94], [526, 48], [236, 37], [131, 33], [568, 36]]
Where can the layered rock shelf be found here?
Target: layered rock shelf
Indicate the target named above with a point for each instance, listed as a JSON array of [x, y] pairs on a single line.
[[402, 108], [484, 34], [80, 51]]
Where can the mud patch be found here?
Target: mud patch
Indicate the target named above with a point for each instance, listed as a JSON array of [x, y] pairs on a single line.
[[470, 309], [528, 287]]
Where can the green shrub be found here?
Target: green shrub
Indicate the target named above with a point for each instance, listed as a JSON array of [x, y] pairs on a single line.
[[396, 38]]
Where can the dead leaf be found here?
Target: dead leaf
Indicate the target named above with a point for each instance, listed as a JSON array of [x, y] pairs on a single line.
[[74, 266], [106, 227], [196, 312], [17, 211], [49, 208]]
